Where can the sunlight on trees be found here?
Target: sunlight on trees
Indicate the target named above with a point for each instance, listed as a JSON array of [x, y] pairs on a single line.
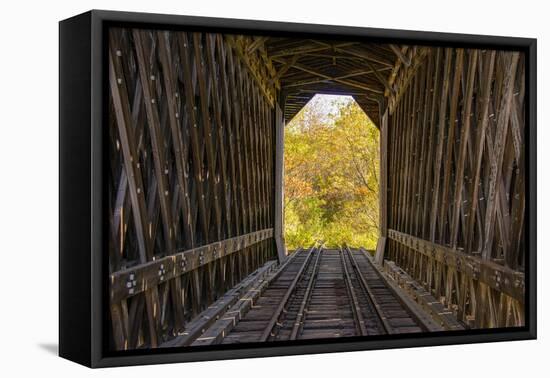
[[331, 175]]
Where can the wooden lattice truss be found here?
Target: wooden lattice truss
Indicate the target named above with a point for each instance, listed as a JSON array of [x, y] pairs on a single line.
[[191, 158], [456, 181]]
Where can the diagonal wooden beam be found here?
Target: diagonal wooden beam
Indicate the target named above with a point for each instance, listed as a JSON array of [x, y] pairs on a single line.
[[155, 132], [368, 61], [258, 42], [119, 93], [286, 66], [504, 110], [451, 129], [229, 126], [126, 132], [466, 119], [404, 59], [203, 91], [195, 142], [179, 147]]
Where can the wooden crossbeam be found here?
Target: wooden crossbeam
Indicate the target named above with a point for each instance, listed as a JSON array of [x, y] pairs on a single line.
[[367, 59], [320, 46], [317, 81], [496, 276], [131, 281], [349, 83]]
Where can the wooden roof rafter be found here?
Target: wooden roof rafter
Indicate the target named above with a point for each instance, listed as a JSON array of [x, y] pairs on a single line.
[[309, 66], [349, 83], [286, 66], [367, 57], [316, 81], [319, 46]]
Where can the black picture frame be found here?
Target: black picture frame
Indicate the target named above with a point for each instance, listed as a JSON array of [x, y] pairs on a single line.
[[82, 114]]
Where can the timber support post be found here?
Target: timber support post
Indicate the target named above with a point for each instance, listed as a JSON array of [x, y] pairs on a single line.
[[383, 190], [279, 184]]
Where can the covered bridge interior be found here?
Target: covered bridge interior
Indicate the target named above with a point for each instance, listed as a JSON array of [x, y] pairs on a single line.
[[197, 136]]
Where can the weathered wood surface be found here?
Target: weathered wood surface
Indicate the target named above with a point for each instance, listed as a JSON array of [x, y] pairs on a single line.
[[190, 181], [224, 308], [456, 190]]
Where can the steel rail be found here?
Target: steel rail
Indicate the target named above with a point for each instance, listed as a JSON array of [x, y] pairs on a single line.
[[282, 304], [366, 287], [307, 296], [419, 320], [356, 308]]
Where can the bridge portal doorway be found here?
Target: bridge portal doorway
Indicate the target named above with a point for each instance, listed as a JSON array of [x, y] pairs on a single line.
[[331, 171]]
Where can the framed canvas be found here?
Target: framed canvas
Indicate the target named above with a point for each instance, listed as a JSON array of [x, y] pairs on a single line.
[[235, 188]]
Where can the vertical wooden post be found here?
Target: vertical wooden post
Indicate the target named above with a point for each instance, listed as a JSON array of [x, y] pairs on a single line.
[[383, 190], [279, 183]]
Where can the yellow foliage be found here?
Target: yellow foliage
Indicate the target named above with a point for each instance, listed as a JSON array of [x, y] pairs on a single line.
[[331, 175]]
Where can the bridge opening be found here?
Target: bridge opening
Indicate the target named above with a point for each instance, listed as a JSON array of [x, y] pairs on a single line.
[[331, 170]]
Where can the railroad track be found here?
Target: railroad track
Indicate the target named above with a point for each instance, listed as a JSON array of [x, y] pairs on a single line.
[[324, 293]]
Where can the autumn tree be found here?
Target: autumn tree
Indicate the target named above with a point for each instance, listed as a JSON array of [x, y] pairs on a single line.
[[331, 175]]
